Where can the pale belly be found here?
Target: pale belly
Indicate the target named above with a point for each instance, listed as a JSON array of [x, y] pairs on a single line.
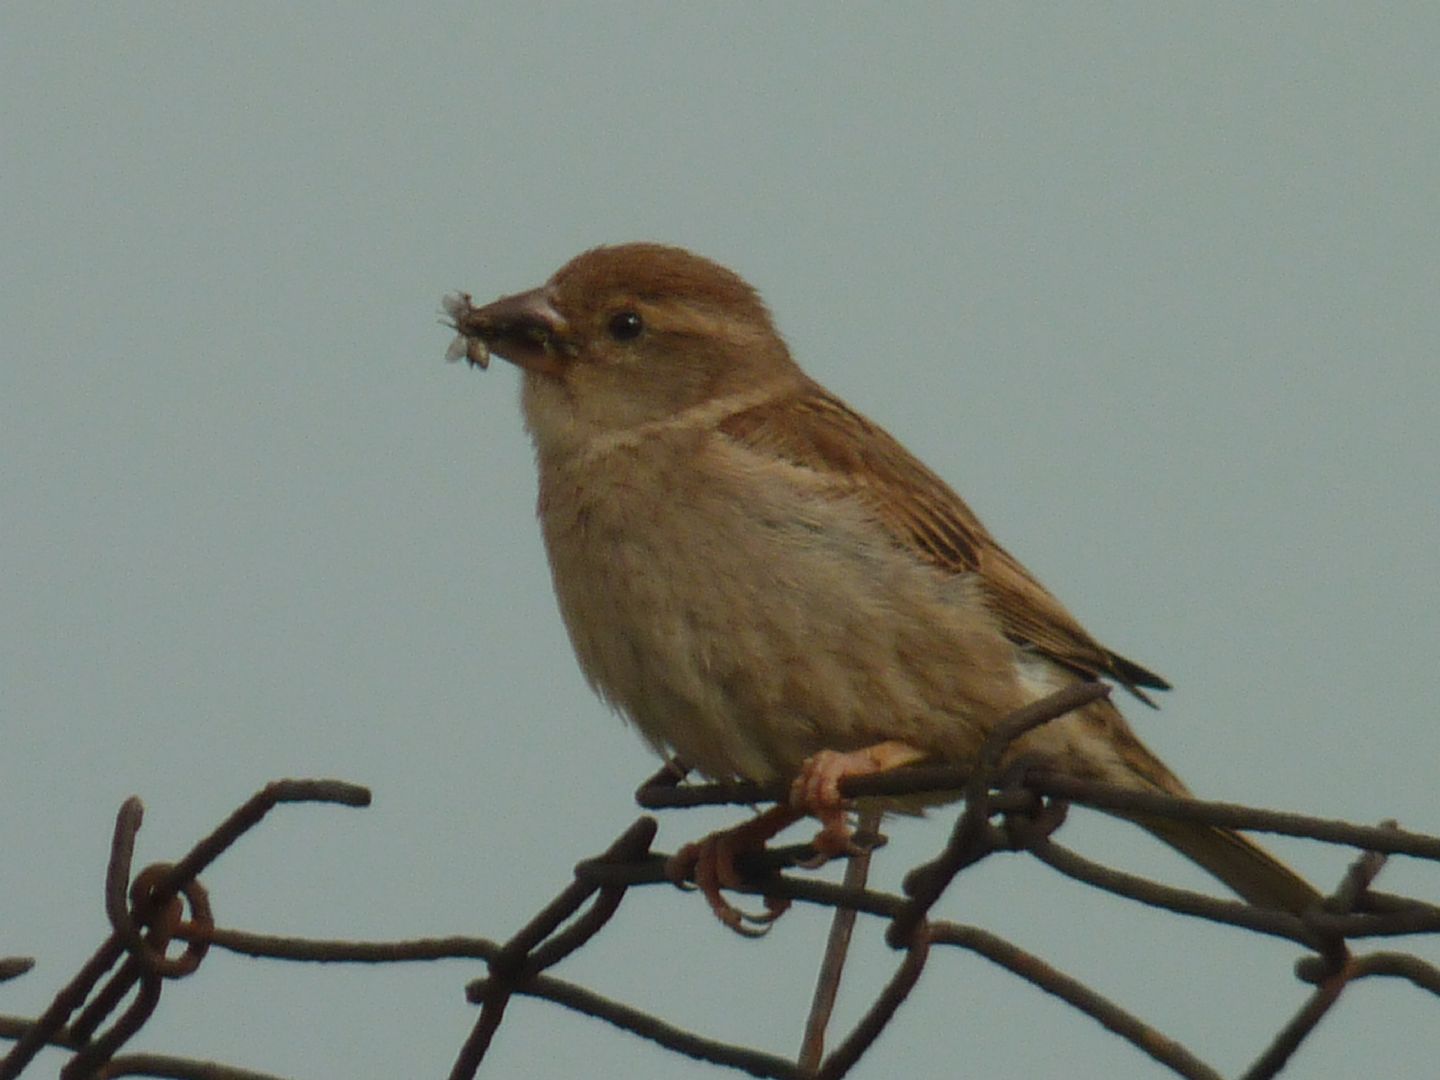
[[744, 633]]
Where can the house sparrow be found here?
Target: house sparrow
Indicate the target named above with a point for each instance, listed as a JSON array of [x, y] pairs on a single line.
[[767, 584]]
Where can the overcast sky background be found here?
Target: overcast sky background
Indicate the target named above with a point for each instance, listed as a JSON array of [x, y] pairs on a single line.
[[1155, 287]]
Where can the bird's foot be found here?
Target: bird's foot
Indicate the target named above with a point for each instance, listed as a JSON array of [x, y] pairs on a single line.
[[816, 791], [710, 863]]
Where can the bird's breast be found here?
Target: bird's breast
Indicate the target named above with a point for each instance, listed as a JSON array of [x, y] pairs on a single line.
[[744, 619]]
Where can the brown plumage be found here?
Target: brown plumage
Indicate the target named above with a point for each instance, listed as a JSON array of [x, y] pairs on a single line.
[[817, 430], [769, 585]]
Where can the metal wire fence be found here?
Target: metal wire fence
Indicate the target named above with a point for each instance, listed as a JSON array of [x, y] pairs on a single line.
[[162, 929]]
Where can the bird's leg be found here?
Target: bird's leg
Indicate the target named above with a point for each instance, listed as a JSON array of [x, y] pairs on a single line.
[[711, 862], [816, 790]]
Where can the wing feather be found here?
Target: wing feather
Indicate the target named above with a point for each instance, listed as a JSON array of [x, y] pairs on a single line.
[[815, 430]]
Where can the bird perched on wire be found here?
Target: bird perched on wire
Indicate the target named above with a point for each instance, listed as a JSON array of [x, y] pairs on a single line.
[[767, 584]]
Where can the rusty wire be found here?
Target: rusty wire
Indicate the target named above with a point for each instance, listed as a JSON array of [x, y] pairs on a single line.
[[143, 924], [1015, 808]]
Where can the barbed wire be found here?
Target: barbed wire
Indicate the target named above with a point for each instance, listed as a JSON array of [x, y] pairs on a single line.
[[1015, 808]]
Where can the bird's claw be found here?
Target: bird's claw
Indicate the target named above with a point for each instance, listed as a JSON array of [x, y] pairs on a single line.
[[750, 924], [834, 840], [710, 864], [816, 791]]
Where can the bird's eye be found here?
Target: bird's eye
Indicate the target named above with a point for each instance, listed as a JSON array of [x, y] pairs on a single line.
[[626, 326]]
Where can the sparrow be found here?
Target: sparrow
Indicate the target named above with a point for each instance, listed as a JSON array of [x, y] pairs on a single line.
[[771, 587]]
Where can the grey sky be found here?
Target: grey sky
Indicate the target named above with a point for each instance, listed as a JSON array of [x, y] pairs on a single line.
[[1154, 286]]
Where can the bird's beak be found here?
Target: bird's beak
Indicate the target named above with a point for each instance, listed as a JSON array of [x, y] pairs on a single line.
[[525, 329]]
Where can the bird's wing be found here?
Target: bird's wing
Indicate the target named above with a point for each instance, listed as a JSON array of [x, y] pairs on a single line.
[[814, 430]]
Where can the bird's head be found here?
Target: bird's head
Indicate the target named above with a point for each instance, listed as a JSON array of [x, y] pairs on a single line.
[[629, 334]]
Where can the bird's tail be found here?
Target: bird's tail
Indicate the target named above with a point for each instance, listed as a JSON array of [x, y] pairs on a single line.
[[1248, 869]]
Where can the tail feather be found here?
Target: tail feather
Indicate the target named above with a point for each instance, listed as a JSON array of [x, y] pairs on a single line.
[[1248, 869]]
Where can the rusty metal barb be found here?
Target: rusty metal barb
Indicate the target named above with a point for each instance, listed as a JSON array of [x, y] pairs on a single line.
[[142, 925], [1008, 805]]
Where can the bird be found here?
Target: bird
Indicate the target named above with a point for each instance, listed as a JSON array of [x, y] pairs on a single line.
[[769, 586]]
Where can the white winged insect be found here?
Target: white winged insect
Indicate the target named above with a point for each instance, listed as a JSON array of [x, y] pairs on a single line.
[[472, 349]]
